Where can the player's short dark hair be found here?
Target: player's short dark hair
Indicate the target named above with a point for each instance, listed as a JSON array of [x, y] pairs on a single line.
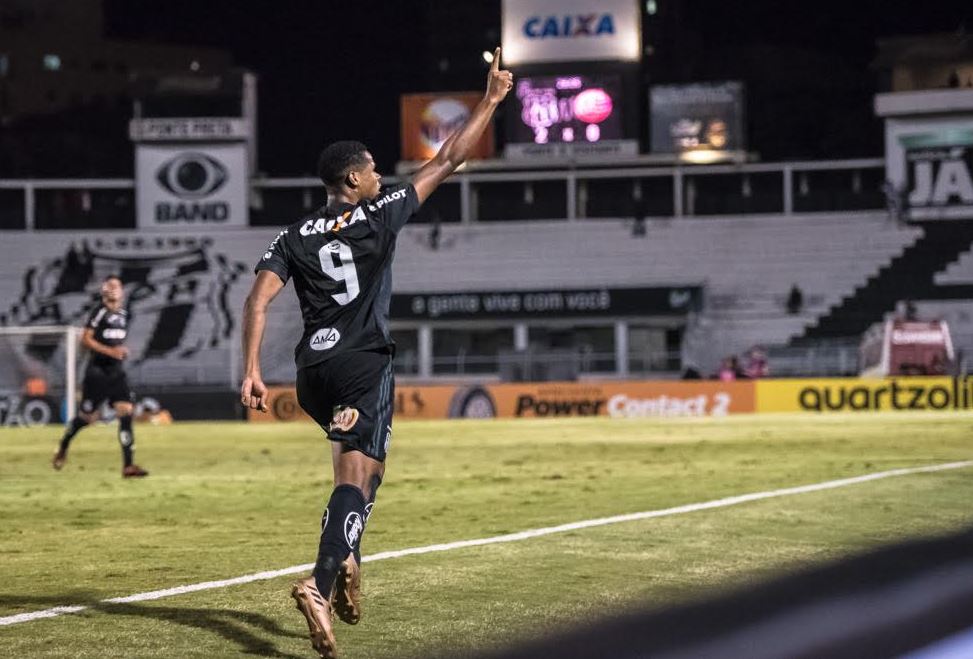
[[338, 158], [110, 277]]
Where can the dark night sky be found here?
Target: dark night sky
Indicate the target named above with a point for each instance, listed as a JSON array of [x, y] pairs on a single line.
[[332, 70]]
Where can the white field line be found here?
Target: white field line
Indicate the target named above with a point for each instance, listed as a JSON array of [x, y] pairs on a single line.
[[510, 537]]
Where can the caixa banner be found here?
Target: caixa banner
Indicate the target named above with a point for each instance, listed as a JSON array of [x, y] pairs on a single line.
[[540, 31], [180, 186]]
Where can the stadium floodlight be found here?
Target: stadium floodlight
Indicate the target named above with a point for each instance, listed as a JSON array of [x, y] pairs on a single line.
[[38, 364]]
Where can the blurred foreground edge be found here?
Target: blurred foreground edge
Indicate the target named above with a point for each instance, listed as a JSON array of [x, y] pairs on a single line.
[[913, 599]]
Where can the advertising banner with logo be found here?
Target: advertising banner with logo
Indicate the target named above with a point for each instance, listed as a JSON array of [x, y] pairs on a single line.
[[429, 119], [660, 300], [616, 399], [536, 31], [930, 163], [191, 186], [698, 117], [622, 400], [411, 402], [17, 410], [660, 399], [865, 395], [939, 170]]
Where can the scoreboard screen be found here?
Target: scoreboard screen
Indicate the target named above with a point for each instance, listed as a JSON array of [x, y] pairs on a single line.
[[566, 109]]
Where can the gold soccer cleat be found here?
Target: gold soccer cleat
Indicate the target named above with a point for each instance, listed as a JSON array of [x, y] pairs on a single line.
[[317, 612]]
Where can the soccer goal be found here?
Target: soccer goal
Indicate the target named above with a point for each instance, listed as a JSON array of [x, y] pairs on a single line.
[[38, 374]]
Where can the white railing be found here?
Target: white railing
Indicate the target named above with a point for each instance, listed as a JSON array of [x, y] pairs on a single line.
[[571, 193]]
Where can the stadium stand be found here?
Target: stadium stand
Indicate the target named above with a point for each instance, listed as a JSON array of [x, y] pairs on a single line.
[[958, 279], [755, 258], [909, 276], [959, 272], [947, 298], [746, 263]]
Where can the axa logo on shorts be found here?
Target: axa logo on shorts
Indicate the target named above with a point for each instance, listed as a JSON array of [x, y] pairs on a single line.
[[325, 339], [353, 529]]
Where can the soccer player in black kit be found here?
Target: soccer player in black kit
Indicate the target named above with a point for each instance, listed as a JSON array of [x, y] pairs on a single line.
[[105, 379], [340, 258]]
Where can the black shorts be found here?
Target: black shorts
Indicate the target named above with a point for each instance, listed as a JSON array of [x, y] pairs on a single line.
[[362, 380], [101, 384]]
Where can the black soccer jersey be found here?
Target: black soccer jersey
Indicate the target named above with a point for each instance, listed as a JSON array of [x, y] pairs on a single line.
[[340, 259], [110, 328]]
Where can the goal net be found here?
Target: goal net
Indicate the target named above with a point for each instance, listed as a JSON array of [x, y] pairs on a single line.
[[38, 375]]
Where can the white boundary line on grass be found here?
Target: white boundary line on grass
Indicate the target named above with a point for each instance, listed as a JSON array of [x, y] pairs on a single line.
[[510, 537]]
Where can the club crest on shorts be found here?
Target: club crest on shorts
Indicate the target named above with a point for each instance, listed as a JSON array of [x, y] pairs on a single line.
[[344, 419], [325, 339], [353, 528]]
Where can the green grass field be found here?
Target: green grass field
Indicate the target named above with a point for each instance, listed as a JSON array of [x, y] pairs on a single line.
[[231, 499]]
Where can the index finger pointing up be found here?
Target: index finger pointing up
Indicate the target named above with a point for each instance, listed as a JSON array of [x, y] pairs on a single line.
[[495, 64]]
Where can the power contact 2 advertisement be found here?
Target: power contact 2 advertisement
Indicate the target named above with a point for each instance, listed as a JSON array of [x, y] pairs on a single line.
[[661, 399], [618, 399]]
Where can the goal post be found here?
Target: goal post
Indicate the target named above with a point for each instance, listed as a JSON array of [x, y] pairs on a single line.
[[38, 374]]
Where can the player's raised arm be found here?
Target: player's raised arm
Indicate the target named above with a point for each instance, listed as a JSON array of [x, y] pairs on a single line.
[[458, 147], [253, 391]]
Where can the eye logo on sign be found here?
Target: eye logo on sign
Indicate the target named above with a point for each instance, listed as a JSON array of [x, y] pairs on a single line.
[[192, 175]]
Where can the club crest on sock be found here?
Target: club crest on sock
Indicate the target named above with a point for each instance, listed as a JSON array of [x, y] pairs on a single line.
[[353, 528]]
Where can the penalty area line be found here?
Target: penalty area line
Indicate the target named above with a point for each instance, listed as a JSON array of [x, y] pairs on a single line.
[[509, 537]]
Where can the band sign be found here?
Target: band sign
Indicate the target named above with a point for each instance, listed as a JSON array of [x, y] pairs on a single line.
[[179, 187]]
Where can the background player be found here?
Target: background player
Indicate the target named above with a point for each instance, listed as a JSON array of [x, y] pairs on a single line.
[[105, 379], [340, 258]]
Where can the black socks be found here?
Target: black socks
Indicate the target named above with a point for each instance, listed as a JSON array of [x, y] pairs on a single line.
[[376, 481], [126, 438], [341, 533], [77, 423]]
